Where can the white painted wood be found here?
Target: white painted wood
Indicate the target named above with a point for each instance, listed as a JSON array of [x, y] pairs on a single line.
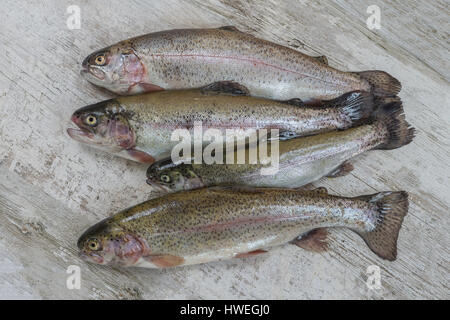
[[52, 188]]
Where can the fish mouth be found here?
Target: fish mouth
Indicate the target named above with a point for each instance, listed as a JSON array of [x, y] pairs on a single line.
[[91, 257], [92, 74], [80, 135], [85, 63], [159, 187]]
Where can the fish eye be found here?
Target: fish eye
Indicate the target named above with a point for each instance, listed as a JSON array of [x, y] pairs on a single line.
[[93, 244], [165, 178], [100, 60], [91, 120]]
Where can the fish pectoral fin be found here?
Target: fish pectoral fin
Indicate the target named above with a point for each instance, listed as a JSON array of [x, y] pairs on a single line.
[[230, 28], [322, 59], [194, 183], [343, 170], [164, 260], [226, 87], [140, 87], [149, 87], [140, 156], [314, 240], [250, 254], [284, 135]]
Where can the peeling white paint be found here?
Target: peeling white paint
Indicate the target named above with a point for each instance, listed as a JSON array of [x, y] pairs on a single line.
[[53, 188]]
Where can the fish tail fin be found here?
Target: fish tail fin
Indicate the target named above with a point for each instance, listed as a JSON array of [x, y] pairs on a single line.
[[381, 101], [382, 83], [357, 106], [398, 132], [392, 208]]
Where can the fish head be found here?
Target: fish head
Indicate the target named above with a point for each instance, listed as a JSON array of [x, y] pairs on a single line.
[[117, 68], [104, 125], [171, 177], [106, 243]]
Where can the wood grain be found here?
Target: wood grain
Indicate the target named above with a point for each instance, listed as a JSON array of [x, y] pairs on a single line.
[[52, 188]]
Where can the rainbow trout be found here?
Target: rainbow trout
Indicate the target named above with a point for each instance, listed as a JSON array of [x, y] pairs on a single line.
[[141, 127], [209, 224], [193, 58], [301, 160]]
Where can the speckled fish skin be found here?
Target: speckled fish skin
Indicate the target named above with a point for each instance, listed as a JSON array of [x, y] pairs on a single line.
[[301, 160], [210, 224], [149, 120], [192, 58]]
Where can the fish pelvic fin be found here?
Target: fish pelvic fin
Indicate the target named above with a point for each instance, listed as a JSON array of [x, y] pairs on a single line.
[[343, 170], [250, 254], [226, 87], [322, 59], [399, 131], [356, 106], [315, 240], [381, 83], [392, 208], [230, 28]]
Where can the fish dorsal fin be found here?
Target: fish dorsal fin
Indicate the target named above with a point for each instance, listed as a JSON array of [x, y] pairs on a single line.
[[237, 189], [226, 87], [230, 28], [295, 102], [311, 189], [322, 59], [320, 190]]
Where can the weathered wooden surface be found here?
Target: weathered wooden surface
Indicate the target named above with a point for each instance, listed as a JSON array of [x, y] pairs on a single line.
[[52, 188]]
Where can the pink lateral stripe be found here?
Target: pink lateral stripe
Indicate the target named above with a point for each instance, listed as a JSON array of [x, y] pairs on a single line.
[[254, 61], [224, 225]]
